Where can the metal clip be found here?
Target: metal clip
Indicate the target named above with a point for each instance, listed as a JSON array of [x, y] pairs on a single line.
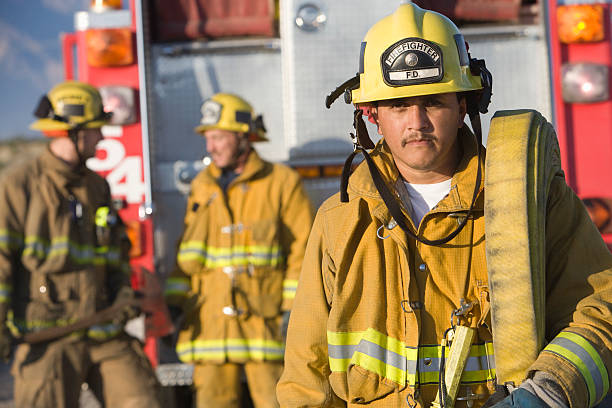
[[411, 401], [355, 141], [470, 397], [462, 310], [378, 233], [76, 208], [232, 311]]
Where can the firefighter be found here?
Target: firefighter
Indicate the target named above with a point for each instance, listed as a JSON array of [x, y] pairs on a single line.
[[63, 259], [395, 262], [246, 226]]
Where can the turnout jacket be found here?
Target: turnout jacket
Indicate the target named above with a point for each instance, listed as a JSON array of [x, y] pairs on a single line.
[[238, 262], [373, 305], [63, 249]]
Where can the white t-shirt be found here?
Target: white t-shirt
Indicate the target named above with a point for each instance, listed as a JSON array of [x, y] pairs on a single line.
[[424, 197]]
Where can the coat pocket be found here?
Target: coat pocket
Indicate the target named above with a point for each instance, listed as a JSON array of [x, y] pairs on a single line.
[[260, 292], [360, 386]]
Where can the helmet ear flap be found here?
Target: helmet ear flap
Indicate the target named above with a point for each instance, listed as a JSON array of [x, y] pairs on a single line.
[[44, 109], [478, 68]]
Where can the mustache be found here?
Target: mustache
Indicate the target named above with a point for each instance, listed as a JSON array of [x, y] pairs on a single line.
[[417, 138]]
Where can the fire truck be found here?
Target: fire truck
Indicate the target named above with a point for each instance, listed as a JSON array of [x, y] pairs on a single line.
[[155, 61]]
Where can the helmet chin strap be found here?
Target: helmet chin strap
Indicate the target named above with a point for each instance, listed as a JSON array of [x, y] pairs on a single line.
[[73, 134], [243, 148], [388, 197]]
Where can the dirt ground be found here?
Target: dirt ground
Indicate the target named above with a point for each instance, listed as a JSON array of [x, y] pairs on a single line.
[[16, 151]]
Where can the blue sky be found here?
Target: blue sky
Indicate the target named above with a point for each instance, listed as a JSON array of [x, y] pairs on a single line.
[[30, 57]]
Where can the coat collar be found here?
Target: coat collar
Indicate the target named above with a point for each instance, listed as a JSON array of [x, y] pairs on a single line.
[[60, 171], [462, 184], [253, 166]]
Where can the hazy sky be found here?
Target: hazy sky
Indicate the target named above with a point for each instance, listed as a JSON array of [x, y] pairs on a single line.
[[30, 57]]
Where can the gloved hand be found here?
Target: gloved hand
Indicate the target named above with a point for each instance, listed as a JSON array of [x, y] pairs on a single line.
[[285, 324], [521, 398], [6, 343], [132, 308], [176, 316]]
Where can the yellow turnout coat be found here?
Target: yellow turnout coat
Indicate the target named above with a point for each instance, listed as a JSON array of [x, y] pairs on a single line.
[[63, 249], [373, 305], [238, 263]]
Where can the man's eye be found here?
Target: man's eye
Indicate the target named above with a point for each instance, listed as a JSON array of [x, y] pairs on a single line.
[[433, 103]]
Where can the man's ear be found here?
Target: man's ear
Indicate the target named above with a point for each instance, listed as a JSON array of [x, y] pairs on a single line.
[[462, 111], [374, 115]]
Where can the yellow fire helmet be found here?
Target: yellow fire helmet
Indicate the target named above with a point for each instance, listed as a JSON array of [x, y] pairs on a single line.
[[230, 112], [70, 105], [413, 52]]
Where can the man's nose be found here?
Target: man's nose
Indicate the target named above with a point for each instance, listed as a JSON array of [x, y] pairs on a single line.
[[418, 118], [210, 147]]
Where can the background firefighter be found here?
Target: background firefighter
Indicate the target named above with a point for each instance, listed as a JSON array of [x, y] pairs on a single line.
[[396, 261], [63, 258], [238, 260]]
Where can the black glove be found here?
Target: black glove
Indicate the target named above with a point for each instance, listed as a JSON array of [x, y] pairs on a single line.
[[176, 316], [132, 308]]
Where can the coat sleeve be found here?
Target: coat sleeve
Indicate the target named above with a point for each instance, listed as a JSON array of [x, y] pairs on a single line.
[[14, 198], [178, 283], [578, 302], [296, 221], [304, 382]]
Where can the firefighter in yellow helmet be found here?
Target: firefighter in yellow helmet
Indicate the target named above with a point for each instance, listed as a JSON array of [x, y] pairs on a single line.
[[63, 263], [395, 267], [238, 261]]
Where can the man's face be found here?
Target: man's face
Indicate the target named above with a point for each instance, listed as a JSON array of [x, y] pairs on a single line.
[[87, 141], [421, 132], [224, 147]]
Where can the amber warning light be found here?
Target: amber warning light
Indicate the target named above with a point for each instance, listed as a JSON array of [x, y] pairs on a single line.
[[103, 5], [109, 47], [580, 23]]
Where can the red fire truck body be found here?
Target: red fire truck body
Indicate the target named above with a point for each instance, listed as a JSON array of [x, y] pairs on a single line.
[[584, 125]]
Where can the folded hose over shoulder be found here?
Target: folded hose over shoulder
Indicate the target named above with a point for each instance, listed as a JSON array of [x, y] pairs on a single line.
[[522, 160]]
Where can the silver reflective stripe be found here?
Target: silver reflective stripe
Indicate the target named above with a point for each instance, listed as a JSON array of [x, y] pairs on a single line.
[[341, 352], [587, 360], [381, 354], [372, 350]]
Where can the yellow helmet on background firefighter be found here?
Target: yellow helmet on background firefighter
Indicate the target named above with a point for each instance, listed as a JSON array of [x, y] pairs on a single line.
[[70, 105], [230, 112]]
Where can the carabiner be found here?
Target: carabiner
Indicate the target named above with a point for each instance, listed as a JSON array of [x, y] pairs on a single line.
[[378, 234]]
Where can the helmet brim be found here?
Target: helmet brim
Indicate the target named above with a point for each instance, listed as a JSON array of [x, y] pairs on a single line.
[[253, 137], [47, 124]]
